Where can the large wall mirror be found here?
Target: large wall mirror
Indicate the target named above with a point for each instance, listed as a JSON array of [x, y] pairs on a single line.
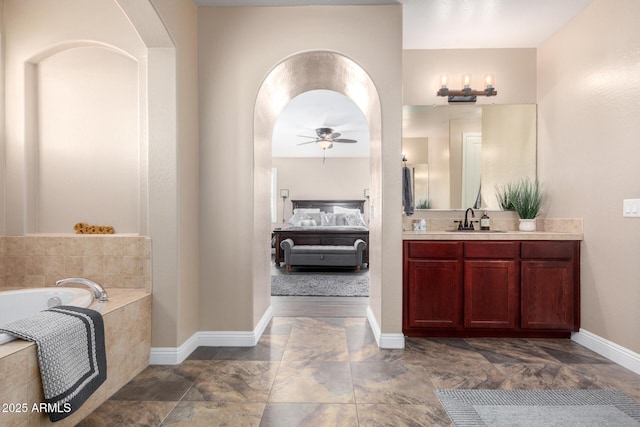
[[459, 153]]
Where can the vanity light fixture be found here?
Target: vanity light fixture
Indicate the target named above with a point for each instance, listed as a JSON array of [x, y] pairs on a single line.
[[466, 94]]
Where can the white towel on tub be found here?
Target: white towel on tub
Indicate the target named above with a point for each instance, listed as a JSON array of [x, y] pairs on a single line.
[[71, 355]]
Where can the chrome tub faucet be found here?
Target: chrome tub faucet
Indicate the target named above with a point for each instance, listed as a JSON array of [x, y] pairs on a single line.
[[98, 291]]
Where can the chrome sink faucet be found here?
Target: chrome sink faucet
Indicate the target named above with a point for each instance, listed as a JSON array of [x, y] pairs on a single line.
[[99, 293]]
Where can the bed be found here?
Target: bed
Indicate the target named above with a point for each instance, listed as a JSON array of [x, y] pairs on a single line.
[[318, 234]]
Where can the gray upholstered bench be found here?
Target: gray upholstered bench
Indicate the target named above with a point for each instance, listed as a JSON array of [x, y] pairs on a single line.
[[323, 255]]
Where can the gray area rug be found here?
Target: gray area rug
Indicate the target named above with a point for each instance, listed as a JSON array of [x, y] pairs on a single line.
[[325, 285], [540, 408]]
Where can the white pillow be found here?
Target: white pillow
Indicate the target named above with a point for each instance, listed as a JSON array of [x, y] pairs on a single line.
[[354, 219], [340, 209], [306, 210], [307, 223], [356, 212], [328, 219], [297, 217]]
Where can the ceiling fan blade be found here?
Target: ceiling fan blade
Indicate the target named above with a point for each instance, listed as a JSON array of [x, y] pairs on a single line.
[[303, 143], [335, 135], [351, 141], [305, 136]]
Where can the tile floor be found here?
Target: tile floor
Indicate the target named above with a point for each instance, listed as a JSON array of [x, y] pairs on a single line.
[[329, 372]]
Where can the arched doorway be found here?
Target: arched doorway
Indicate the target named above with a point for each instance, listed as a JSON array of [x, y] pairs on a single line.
[[297, 74]]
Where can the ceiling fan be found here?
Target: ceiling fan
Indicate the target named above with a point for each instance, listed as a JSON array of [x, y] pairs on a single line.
[[326, 137]]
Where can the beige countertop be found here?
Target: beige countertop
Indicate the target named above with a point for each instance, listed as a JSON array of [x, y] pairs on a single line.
[[478, 235]]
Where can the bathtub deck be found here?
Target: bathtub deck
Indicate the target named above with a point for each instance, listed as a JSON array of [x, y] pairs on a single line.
[[127, 321]]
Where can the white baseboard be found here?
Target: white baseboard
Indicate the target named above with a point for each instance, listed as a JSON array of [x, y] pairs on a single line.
[[391, 341], [173, 355], [612, 351], [176, 355]]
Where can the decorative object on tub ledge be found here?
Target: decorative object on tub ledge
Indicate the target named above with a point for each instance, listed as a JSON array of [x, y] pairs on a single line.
[[83, 228], [71, 355]]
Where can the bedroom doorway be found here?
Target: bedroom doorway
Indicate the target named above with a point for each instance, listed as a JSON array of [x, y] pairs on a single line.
[[310, 171], [320, 155]]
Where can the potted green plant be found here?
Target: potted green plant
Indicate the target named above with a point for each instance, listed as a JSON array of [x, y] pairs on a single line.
[[525, 197], [505, 194]]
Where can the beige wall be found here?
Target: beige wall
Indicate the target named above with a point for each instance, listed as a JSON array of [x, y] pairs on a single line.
[[180, 19], [168, 130], [33, 31], [515, 71], [88, 146], [236, 52], [311, 179], [588, 151]]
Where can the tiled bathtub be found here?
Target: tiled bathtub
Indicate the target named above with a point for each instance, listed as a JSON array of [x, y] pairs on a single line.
[[127, 322]]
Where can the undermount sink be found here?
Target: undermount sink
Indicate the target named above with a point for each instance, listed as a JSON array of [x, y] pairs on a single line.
[[476, 231]]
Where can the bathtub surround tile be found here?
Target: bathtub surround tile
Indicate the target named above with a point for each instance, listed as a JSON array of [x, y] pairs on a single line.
[[92, 266], [112, 261], [15, 246], [73, 266], [53, 268]]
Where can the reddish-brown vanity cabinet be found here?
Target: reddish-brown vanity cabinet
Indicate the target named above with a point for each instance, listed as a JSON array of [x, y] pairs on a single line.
[[491, 288]]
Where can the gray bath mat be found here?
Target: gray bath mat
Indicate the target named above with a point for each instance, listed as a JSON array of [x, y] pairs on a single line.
[[327, 285], [540, 408]]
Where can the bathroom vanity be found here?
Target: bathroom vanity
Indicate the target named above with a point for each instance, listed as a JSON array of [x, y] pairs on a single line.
[[509, 284]]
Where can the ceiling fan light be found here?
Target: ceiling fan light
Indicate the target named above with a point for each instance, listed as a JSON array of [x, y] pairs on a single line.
[[324, 144]]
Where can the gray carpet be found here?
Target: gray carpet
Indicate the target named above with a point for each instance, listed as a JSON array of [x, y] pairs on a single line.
[[327, 285], [540, 408]]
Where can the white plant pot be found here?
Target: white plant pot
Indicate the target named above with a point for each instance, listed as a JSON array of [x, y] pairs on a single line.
[[527, 225]]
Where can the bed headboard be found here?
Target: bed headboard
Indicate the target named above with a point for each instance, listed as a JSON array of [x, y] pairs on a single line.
[[327, 205]]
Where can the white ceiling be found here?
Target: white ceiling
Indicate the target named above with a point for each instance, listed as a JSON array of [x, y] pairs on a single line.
[[459, 24], [427, 24], [314, 109]]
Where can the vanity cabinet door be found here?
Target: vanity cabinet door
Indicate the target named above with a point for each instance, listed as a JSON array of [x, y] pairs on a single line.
[[435, 294], [432, 285], [491, 294], [491, 285], [550, 286]]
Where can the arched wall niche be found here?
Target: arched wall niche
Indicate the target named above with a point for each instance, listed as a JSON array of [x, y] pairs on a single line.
[[82, 138], [294, 75]]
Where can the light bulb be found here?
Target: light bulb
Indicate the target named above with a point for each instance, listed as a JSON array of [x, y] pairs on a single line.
[[466, 80], [489, 80], [444, 80]]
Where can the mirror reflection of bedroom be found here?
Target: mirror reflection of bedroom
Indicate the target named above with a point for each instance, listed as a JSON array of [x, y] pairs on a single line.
[[319, 207]]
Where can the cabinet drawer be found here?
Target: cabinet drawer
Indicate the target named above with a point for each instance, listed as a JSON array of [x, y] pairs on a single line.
[[548, 250], [434, 250], [490, 250]]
